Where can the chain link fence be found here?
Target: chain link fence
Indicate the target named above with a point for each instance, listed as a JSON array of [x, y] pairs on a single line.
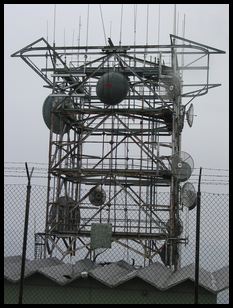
[[119, 274]]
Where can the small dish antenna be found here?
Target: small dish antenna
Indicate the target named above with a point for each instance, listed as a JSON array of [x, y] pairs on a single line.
[[172, 84], [97, 196], [188, 196], [182, 166], [52, 102], [190, 115]]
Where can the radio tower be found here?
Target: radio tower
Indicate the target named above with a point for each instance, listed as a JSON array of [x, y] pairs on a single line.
[[116, 115]]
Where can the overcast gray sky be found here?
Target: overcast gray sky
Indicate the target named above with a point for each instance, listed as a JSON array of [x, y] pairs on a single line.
[[26, 135]]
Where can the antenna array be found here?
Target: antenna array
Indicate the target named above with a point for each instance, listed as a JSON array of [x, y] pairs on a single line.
[[116, 117]]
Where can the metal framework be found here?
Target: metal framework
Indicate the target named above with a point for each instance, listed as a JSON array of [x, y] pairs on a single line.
[[126, 149]]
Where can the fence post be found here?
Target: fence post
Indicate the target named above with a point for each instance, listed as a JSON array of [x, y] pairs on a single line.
[[25, 234], [196, 293]]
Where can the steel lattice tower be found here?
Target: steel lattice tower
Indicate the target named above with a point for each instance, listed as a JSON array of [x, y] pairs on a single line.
[[122, 153]]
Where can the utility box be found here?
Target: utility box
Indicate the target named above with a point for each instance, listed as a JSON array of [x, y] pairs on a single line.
[[101, 236]]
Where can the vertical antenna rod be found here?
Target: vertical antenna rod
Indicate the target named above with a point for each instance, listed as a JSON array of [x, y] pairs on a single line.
[[79, 33], [79, 30], [47, 30], [183, 34], [177, 27], [47, 38], [85, 57], [72, 45], [121, 24], [110, 34], [65, 43], [54, 24], [135, 23], [54, 34], [147, 22], [103, 23], [87, 23], [159, 24], [174, 20], [183, 27]]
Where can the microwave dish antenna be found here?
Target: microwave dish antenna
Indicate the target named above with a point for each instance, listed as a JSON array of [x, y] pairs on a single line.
[[182, 166], [188, 196], [190, 115]]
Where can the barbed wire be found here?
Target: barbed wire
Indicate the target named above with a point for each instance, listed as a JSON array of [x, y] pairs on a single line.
[[22, 169], [194, 182], [42, 172], [15, 162], [215, 175], [219, 169], [24, 176], [37, 163]]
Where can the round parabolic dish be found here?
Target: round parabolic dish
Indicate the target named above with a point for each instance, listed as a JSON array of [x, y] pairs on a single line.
[[172, 86], [58, 123], [182, 171], [112, 88], [68, 219], [182, 166], [190, 115], [97, 196], [188, 195]]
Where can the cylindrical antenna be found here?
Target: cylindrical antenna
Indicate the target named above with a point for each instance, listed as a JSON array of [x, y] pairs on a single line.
[[147, 22], [73, 38], [135, 22], [79, 35], [183, 27], [54, 24], [110, 31], [65, 43], [47, 30], [47, 39], [103, 24], [88, 6], [72, 44], [177, 27], [183, 34], [87, 23], [174, 20], [79, 30], [121, 24], [159, 24]]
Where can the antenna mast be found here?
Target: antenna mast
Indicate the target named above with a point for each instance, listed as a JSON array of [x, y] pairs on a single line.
[[54, 25], [115, 143]]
